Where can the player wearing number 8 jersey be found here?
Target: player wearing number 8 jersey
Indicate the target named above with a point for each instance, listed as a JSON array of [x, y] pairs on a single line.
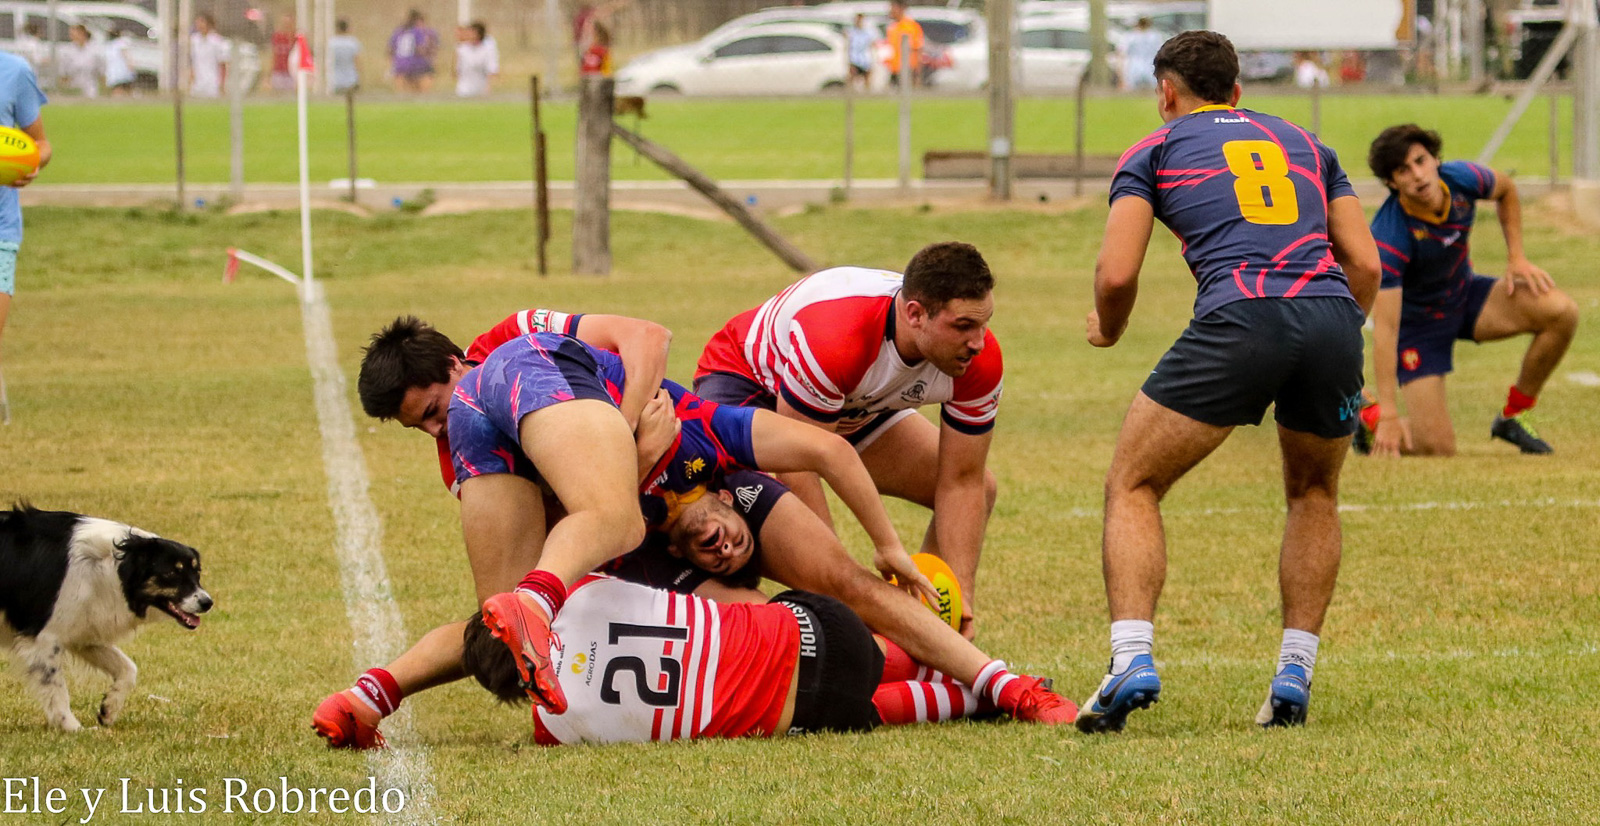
[[1286, 270]]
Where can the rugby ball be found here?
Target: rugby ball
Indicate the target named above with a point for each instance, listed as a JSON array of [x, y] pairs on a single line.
[[944, 582], [19, 155]]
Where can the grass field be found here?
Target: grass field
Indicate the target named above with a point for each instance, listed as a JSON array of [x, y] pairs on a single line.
[[728, 139], [1460, 661]]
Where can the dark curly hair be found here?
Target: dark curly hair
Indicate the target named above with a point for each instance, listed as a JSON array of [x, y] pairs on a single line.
[[941, 273], [1390, 148], [1203, 61], [490, 662], [408, 353]]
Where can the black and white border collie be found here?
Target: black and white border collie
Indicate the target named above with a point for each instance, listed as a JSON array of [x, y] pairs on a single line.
[[74, 583]]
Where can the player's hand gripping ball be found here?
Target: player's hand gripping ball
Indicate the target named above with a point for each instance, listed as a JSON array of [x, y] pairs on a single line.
[[19, 155], [944, 582]]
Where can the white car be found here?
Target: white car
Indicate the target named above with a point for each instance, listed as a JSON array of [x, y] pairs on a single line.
[[780, 59], [1052, 51]]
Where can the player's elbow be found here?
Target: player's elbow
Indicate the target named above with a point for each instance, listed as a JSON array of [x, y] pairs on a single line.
[[1112, 279]]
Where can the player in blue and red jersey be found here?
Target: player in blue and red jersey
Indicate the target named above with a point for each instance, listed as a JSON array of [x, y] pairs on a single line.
[[1286, 269], [1431, 298]]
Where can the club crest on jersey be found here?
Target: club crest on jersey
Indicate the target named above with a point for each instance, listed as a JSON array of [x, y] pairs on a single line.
[[747, 495], [693, 466], [1411, 358], [1420, 233], [915, 392]]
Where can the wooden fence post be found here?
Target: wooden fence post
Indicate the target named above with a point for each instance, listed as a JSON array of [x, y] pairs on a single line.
[[591, 218]]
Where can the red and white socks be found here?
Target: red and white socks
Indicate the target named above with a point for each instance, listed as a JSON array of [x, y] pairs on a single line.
[[375, 691], [914, 701], [546, 589]]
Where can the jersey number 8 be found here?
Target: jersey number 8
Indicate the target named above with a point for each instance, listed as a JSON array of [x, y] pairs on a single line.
[[1261, 182]]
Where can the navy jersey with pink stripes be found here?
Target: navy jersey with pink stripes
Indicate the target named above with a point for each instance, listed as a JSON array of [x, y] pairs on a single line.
[[1428, 254], [1247, 194]]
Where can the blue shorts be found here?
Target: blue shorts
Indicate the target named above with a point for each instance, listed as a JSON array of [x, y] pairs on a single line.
[[1301, 355], [8, 267], [1427, 345], [533, 372], [739, 391]]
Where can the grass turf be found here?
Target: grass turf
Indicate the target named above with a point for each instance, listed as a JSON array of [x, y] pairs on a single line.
[[727, 139], [1459, 663]]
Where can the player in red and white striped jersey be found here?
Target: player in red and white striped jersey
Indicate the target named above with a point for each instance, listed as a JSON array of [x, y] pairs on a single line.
[[856, 351], [639, 664]]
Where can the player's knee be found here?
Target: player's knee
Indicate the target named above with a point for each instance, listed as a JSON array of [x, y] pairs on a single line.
[[1564, 312], [1434, 445]]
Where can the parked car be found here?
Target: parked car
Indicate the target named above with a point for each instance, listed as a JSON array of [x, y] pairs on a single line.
[[1053, 51], [144, 58], [776, 59]]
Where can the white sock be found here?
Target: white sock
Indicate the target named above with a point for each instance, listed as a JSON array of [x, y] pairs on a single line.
[[1299, 648], [539, 600], [1129, 639]]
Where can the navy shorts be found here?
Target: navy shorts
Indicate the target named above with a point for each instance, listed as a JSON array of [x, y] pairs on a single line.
[[1427, 345], [754, 496], [490, 401], [840, 666], [739, 391], [1301, 354]]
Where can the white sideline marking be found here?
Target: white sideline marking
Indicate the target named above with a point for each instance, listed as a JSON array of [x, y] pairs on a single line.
[[1584, 378], [1546, 502], [379, 629]]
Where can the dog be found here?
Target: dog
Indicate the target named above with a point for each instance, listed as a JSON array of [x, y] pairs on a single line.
[[70, 582]]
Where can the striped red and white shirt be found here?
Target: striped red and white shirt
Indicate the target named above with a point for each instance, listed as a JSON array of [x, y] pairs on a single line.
[[826, 345], [638, 664]]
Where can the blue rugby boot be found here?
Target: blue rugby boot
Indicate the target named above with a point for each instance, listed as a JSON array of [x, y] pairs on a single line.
[[1138, 686], [1287, 699]]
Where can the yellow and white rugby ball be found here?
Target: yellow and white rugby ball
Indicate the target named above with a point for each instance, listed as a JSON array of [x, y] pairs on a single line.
[[944, 582], [19, 155]]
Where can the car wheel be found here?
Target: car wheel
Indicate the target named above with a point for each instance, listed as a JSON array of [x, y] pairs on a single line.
[[665, 90]]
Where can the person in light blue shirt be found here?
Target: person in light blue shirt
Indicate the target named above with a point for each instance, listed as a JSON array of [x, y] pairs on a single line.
[[20, 102], [861, 40], [1138, 56], [345, 52]]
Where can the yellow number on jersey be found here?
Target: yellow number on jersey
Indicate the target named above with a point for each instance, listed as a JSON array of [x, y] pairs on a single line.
[[1261, 182]]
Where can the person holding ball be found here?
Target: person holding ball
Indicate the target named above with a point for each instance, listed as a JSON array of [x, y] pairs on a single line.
[[20, 102]]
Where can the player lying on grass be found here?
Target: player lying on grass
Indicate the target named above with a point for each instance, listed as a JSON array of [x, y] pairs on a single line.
[[640, 664], [1431, 298], [854, 351], [700, 455]]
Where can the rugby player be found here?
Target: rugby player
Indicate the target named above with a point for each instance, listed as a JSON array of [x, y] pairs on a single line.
[[1286, 271], [640, 664], [1431, 297], [855, 351]]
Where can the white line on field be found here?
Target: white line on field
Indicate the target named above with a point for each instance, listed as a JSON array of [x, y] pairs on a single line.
[[1546, 502], [379, 629], [1584, 378]]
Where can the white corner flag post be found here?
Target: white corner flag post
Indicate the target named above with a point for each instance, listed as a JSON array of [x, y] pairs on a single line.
[[302, 77]]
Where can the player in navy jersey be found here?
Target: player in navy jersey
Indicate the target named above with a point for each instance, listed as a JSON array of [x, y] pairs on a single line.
[[1431, 298], [1286, 270]]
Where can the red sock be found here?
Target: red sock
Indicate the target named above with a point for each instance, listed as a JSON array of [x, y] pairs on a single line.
[[909, 701], [898, 666], [545, 587], [1517, 402], [379, 688], [998, 685], [1369, 416]]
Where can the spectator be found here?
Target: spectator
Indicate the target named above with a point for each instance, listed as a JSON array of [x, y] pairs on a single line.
[[81, 63], [411, 51], [901, 29], [477, 60], [20, 102], [861, 40], [344, 53], [1138, 56], [1308, 72], [119, 76], [31, 46], [208, 58], [597, 57], [282, 78], [584, 23], [1352, 67]]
